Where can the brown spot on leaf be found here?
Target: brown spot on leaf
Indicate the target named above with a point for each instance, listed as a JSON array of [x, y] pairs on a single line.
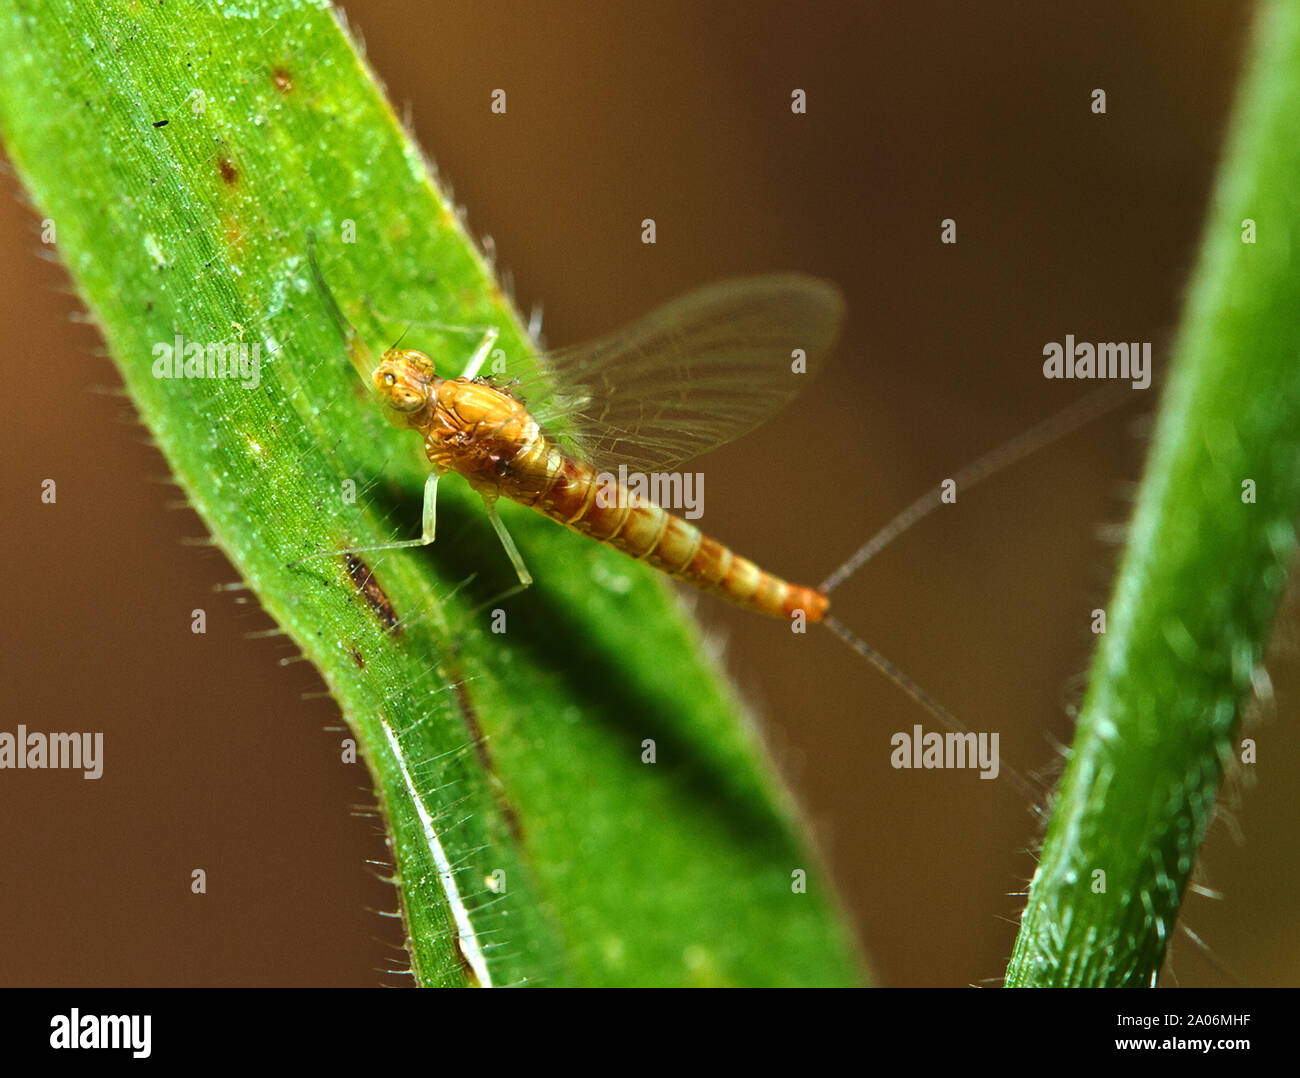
[[466, 967], [470, 715], [357, 657], [373, 594], [234, 235], [283, 80], [229, 174]]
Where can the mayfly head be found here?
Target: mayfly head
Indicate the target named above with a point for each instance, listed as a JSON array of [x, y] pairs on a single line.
[[404, 380]]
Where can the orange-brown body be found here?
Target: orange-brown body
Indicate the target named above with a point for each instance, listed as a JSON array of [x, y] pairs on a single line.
[[484, 434]]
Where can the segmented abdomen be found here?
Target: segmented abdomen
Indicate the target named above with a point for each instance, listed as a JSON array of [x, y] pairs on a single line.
[[653, 535]]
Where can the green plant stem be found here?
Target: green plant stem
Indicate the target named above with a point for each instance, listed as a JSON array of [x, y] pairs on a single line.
[[1212, 542]]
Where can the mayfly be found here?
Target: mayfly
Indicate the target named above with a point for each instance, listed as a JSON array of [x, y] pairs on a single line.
[[690, 376]]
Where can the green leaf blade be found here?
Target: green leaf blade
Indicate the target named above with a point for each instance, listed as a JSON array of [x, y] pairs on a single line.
[[531, 843]]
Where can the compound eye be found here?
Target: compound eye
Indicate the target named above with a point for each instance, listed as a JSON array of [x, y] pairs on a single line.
[[405, 399], [390, 379]]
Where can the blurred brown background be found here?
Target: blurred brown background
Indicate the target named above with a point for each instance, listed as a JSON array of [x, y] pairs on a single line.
[[1067, 223]]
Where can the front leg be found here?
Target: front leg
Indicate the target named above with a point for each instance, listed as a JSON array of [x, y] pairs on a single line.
[[481, 353], [430, 521]]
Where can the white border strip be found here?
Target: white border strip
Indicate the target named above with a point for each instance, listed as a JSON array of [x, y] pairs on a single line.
[[469, 944]]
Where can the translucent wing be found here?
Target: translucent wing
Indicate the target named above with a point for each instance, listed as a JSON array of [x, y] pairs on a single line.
[[694, 374]]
